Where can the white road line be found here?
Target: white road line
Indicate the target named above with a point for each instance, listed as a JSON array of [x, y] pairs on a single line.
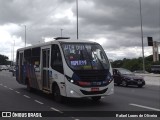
[[75, 118], [39, 102], [5, 86], [56, 110], [141, 106], [1, 84], [17, 92], [26, 96], [10, 88]]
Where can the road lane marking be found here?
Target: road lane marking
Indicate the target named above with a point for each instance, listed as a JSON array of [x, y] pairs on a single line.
[[56, 110], [39, 102], [26, 96], [5, 86], [17, 92], [1, 84], [146, 107], [10, 88]]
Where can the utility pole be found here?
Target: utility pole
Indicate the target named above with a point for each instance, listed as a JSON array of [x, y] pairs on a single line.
[[142, 35], [11, 55], [13, 51], [77, 17]]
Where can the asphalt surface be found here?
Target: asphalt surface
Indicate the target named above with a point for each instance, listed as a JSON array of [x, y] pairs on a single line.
[[15, 97]]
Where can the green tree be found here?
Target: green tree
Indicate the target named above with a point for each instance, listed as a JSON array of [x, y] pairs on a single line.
[[3, 60], [135, 64]]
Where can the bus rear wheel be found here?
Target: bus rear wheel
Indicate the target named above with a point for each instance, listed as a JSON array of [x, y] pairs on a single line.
[[29, 88], [96, 98], [56, 94]]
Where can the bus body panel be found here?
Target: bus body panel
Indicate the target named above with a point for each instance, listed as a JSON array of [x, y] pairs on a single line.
[[27, 72], [58, 78]]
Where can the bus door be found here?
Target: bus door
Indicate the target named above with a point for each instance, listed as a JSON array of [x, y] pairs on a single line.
[[45, 68], [20, 72]]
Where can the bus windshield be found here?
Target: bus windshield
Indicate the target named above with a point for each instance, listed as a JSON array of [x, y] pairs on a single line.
[[85, 56]]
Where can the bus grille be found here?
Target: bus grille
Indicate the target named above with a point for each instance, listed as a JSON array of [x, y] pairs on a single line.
[[90, 76]]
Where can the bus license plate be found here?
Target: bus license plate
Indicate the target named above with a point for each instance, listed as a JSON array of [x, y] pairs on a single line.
[[94, 89]]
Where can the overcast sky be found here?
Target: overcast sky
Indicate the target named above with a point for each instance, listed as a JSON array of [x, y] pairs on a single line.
[[115, 24]]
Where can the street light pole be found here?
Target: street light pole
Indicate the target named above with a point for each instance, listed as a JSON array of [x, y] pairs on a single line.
[[13, 51], [142, 35], [77, 17], [11, 55], [25, 32], [61, 32]]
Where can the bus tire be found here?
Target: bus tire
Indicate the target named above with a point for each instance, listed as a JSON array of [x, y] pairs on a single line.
[[96, 98], [56, 94], [29, 88]]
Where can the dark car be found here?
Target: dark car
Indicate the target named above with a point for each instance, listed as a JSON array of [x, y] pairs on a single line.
[[125, 77], [12, 68], [14, 72]]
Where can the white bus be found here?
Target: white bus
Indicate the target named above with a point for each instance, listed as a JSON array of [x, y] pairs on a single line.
[[66, 68]]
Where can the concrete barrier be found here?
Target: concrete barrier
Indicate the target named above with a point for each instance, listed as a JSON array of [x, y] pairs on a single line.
[[150, 74]]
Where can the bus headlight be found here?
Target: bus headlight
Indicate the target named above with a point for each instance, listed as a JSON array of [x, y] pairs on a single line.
[[71, 91], [72, 81], [109, 78]]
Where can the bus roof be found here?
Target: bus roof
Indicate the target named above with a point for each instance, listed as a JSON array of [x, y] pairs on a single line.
[[55, 42]]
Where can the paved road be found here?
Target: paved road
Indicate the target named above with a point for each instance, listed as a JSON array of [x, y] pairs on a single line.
[[15, 97]]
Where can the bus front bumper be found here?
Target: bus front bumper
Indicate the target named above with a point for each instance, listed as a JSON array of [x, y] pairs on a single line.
[[75, 91]]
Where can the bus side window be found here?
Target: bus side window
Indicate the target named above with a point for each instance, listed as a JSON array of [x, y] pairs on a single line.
[[56, 59], [35, 59], [27, 56]]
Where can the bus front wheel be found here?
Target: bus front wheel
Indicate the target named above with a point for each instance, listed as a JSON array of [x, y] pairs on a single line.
[[56, 94], [96, 98]]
